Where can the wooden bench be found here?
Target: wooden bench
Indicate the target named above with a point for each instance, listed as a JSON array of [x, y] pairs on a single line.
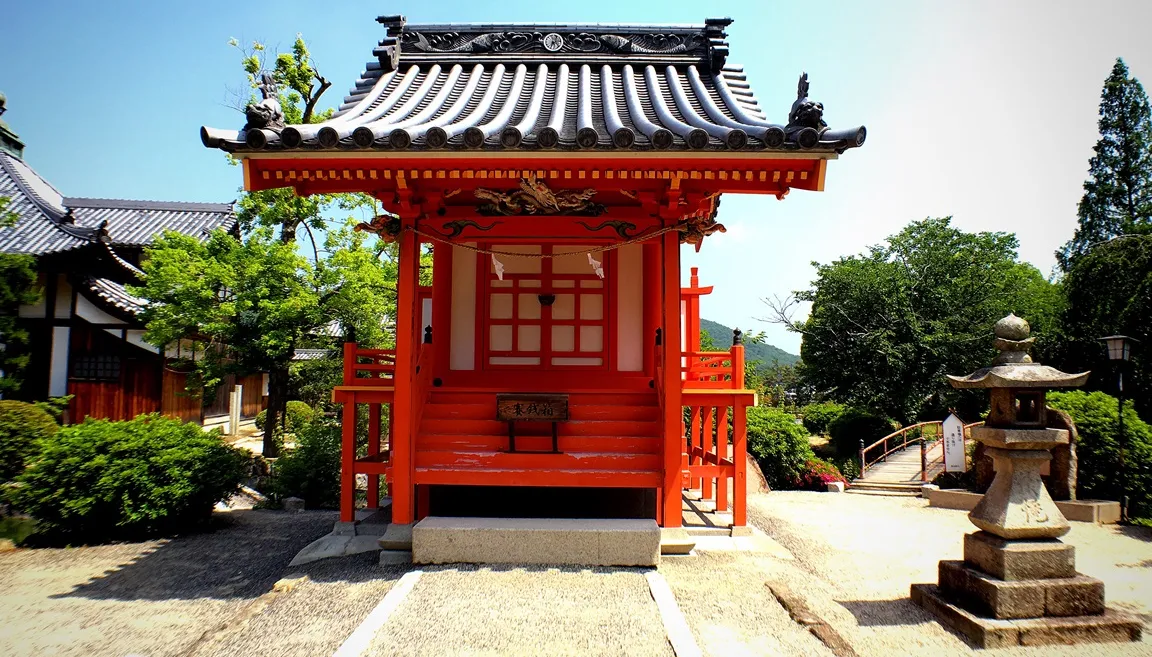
[[532, 407]]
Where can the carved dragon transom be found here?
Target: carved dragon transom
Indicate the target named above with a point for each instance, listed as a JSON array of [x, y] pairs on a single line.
[[535, 198]]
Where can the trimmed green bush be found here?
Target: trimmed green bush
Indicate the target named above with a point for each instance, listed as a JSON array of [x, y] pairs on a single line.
[[1098, 449], [855, 424], [779, 445], [104, 480], [818, 416], [22, 425], [311, 470], [298, 413]]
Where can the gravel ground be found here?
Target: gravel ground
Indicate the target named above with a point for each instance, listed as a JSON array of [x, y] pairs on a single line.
[[856, 555], [155, 598], [328, 600], [527, 610], [730, 610]]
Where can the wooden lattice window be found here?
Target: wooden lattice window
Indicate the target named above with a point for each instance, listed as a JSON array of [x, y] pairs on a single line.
[[96, 368], [550, 312]]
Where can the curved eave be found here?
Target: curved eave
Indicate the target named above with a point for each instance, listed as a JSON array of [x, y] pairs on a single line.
[[1019, 376], [479, 106]]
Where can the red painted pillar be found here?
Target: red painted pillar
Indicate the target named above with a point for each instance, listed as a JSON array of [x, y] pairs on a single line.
[[673, 427], [402, 429], [441, 306], [652, 295]]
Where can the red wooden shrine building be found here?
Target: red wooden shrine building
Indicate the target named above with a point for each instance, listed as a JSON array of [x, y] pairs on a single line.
[[555, 171]]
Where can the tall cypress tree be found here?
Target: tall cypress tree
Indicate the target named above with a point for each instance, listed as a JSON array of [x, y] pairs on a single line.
[[1118, 193]]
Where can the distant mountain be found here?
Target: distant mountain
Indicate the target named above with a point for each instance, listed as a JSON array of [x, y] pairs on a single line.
[[765, 353]]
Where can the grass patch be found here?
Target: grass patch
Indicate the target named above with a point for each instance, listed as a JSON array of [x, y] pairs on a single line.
[[16, 529], [822, 447]]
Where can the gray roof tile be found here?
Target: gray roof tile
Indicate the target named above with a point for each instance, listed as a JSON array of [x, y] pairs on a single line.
[[540, 86], [47, 222]]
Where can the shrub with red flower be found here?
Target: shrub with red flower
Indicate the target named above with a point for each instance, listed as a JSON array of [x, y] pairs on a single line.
[[818, 474]]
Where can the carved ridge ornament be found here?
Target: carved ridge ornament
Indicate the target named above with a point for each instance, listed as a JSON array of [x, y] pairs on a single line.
[[571, 42], [535, 198]]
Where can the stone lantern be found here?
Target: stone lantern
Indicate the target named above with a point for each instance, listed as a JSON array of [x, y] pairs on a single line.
[[1018, 584]]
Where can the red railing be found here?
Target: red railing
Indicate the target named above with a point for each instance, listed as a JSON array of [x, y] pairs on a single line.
[[715, 440], [423, 382], [368, 367]]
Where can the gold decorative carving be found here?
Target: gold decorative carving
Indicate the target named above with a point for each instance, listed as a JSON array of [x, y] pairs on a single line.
[[535, 198]]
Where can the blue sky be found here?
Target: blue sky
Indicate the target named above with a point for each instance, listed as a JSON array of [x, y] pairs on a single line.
[[981, 110]]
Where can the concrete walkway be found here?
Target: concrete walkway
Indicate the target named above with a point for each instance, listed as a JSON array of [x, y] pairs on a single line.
[[525, 611]]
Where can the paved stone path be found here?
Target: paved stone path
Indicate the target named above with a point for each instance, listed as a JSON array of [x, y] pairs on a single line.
[[904, 467]]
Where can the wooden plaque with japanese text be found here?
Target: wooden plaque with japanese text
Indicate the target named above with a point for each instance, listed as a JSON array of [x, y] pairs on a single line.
[[532, 407]]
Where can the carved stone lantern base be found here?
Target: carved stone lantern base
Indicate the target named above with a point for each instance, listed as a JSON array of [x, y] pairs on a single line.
[[1018, 584], [1017, 505]]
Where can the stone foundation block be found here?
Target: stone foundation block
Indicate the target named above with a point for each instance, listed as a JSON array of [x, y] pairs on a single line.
[[986, 596], [590, 542], [396, 537], [1019, 559], [675, 540], [1111, 626]]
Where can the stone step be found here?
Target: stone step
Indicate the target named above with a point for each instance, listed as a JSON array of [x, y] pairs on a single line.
[[883, 492], [556, 541]]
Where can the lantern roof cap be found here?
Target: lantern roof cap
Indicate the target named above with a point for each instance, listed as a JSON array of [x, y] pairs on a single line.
[[1013, 367]]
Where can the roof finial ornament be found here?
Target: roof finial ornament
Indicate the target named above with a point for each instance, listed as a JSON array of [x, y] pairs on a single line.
[[266, 113], [3, 104], [1012, 340], [806, 120]]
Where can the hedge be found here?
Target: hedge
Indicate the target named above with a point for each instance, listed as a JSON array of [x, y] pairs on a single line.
[[779, 445], [104, 480], [22, 426]]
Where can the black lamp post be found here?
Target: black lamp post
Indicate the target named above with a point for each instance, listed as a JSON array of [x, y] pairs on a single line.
[[1119, 350]]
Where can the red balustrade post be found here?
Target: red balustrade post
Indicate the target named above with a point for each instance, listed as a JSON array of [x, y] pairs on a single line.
[[373, 450], [722, 454], [349, 363], [347, 457], [740, 461]]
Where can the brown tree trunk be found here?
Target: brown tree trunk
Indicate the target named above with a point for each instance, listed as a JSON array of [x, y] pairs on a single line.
[[277, 404]]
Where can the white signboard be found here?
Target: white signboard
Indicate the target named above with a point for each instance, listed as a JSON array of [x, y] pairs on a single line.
[[954, 460]]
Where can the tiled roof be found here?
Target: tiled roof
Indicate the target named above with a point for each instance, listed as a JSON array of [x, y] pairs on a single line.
[[516, 86], [47, 222], [137, 223], [115, 295], [40, 226]]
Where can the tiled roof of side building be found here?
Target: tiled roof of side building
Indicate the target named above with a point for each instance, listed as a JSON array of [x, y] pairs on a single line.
[[535, 86], [47, 222], [116, 295], [137, 223], [40, 225]]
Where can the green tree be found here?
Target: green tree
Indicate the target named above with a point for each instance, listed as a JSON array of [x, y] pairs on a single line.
[[253, 301], [887, 325], [1109, 292], [1118, 193], [17, 287]]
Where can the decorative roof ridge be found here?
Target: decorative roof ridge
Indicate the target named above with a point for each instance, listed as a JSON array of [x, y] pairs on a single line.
[[79, 202], [124, 264], [21, 182], [115, 296], [540, 41]]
